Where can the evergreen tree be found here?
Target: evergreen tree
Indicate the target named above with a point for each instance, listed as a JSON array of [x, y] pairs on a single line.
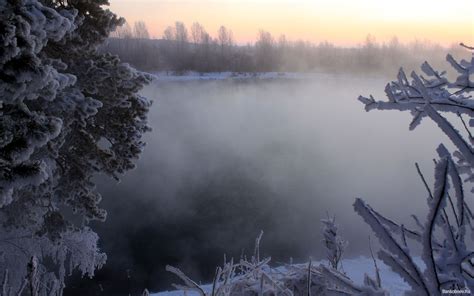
[[68, 113]]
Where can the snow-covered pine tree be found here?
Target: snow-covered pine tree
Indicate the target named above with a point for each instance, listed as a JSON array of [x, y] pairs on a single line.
[[67, 113], [446, 253]]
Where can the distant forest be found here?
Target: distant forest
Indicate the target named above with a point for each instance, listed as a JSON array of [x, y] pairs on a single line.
[[182, 50]]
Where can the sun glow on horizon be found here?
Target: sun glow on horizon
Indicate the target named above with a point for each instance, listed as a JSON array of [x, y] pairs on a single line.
[[341, 22]]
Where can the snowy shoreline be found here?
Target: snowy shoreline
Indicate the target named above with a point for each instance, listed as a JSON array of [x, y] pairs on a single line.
[[171, 76], [355, 269]]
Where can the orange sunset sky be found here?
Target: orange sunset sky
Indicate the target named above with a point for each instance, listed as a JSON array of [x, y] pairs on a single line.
[[342, 22]]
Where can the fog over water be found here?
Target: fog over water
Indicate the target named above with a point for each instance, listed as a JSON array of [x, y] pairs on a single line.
[[226, 159]]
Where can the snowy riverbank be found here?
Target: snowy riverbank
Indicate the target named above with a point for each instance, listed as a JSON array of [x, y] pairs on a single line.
[[191, 76], [355, 269]]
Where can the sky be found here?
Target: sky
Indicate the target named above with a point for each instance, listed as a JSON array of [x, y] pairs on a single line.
[[343, 22]]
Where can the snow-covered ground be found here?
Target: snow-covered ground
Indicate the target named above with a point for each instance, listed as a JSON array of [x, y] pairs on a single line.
[[186, 76], [189, 76], [355, 269]]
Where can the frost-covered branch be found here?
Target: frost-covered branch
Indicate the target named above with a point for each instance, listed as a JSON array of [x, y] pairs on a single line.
[[333, 242], [430, 94], [445, 252], [189, 284]]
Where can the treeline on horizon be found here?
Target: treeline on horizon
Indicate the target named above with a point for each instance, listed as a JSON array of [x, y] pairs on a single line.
[[182, 50]]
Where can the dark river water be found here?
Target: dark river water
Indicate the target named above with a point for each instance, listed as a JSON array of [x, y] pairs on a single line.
[[227, 159]]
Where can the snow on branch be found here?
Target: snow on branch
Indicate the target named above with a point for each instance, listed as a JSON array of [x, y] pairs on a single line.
[[59, 98], [333, 242], [445, 252], [258, 278], [431, 93]]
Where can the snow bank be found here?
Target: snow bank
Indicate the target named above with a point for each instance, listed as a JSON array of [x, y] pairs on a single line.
[[190, 76], [355, 269]]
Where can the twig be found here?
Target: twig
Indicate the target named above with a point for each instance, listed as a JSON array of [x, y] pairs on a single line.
[[257, 246], [423, 180], [465, 126], [309, 277], [377, 272], [190, 284], [466, 46]]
